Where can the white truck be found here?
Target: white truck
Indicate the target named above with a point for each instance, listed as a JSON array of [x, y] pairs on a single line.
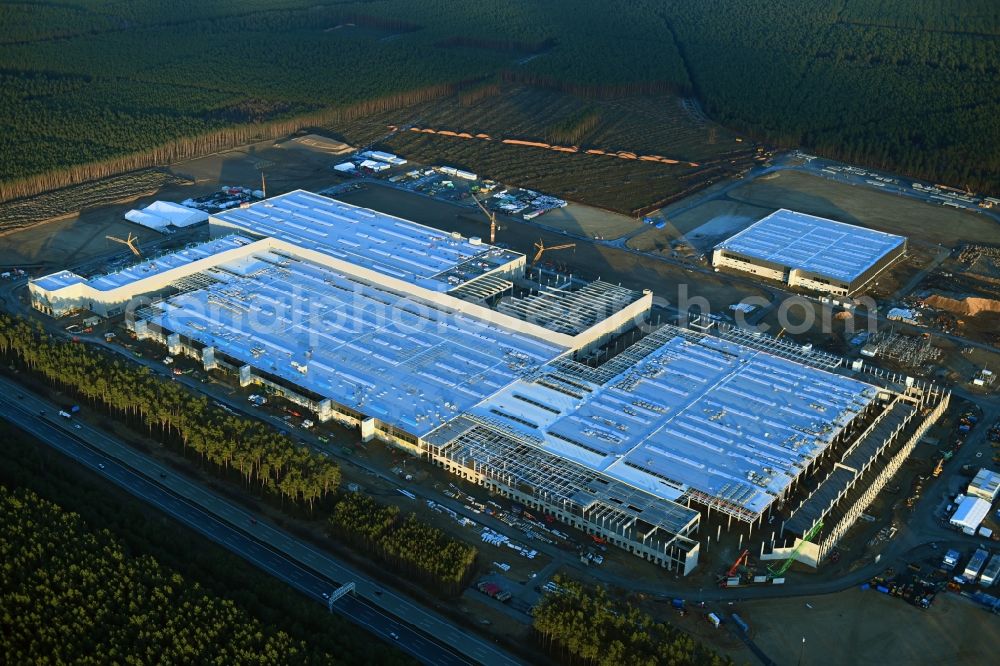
[[66, 415], [975, 565], [991, 572]]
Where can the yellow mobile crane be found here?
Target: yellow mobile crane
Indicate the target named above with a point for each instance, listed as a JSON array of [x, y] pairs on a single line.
[[540, 246], [130, 242], [490, 215]]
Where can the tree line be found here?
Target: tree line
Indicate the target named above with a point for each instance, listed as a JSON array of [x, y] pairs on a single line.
[[69, 594], [263, 458], [412, 548], [571, 130], [206, 143], [902, 85], [582, 625]]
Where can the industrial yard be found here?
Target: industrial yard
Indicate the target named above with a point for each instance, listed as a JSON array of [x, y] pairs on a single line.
[[538, 397]]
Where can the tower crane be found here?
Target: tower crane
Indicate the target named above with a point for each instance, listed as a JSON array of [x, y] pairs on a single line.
[[491, 216], [542, 249], [130, 242]]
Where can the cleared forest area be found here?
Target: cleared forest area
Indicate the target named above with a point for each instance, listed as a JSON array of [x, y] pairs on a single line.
[[93, 88], [642, 125]]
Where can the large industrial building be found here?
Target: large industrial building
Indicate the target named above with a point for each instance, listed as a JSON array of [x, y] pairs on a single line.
[[517, 380], [810, 252]]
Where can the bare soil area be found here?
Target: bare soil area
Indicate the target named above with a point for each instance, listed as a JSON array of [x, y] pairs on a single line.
[[865, 627], [862, 206]]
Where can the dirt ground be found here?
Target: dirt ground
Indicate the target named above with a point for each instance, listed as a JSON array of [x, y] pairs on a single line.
[[589, 221], [862, 206], [703, 226], [856, 627], [81, 237], [589, 260]]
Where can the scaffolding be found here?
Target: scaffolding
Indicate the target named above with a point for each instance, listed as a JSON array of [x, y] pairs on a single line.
[[570, 311], [503, 457], [483, 288], [787, 349]]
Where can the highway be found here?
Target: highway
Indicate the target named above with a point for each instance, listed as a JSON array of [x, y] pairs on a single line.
[[429, 637]]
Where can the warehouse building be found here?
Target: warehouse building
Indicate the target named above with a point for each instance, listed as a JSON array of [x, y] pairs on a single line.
[[450, 349], [969, 514], [986, 484], [810, 252]]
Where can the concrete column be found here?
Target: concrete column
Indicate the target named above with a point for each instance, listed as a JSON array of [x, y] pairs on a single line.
[[324, 410], [141, 328], [367, 429], [174, 343], [208, 358], [245, 378]]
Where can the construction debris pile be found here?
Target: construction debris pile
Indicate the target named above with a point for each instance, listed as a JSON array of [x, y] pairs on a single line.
[[526, 203], [226, 197]]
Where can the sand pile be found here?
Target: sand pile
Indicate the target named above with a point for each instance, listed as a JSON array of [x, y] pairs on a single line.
[[969, 306]]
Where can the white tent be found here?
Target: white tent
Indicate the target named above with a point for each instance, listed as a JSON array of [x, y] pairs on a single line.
[[146, 220], [345, 167], [970, 513], [162, 214]]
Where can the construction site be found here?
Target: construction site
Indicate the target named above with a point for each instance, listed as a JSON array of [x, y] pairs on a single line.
[[563, 394]]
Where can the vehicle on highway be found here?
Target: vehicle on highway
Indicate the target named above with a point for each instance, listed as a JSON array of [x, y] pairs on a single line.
[[394, 635], [76, 425], [100, 465]]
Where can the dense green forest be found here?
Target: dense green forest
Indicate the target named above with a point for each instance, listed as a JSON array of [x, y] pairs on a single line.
[[903, 84], [581, 625], [410, 547], [71, 594], [145, 535], [262, 457]]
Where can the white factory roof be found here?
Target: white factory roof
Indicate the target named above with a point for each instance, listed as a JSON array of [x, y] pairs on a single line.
[[970, 513], [986, 484], [143, 269], [384, 243], [814, 244], [696, 414], [402, 361]]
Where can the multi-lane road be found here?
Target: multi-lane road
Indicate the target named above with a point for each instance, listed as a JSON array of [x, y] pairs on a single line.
[[420, 632]]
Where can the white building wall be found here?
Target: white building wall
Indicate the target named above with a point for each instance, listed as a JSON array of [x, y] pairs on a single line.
[[720, 261], [797, 279], [82, 296]]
